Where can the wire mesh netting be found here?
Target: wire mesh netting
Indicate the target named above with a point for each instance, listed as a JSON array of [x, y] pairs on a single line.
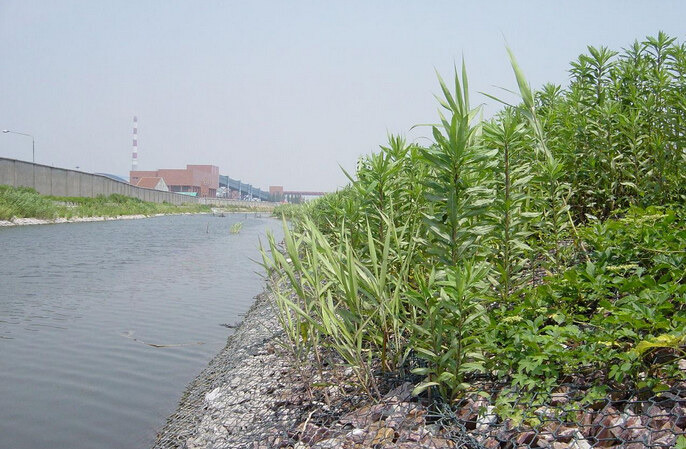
[[568, 418], [560, 420], [253, 395], [276, 409]]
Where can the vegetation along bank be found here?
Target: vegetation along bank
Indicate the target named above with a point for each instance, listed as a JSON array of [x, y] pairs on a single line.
[[530, 267], [23, 205]]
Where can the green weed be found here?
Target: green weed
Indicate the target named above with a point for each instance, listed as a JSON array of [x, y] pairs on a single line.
[[525, 249]]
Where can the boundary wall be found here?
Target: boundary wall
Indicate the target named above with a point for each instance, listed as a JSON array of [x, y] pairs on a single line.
[[63, 182]]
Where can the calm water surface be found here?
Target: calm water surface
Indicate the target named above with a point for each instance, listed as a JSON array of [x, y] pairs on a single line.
[[79, 302]]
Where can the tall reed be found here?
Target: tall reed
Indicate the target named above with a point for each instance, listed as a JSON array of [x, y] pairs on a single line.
[[426, 260]]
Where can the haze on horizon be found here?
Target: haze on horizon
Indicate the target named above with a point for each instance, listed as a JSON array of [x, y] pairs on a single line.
[[274, 93]]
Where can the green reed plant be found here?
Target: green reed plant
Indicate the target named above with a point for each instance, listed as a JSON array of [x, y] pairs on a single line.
[[317, 273], [449, 334], [293, 212], [619, 126], [295, 302], [388, 185], [375, 182], [346, 315], [555, 222], [351, 299], [454, 186], [553, 200], [511, 176], [236, 227], [329, 211], [384, 281]]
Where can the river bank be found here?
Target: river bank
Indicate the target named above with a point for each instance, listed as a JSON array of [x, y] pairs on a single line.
[[225, 406], [41, 221], [252, 395], [60, 220]]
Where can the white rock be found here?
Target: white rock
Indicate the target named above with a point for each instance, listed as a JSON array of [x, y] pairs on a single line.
[[213, 396], [489, 418], [579, 442]]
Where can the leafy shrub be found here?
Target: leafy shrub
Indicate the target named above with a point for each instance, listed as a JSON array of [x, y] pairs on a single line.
[[524, 249]]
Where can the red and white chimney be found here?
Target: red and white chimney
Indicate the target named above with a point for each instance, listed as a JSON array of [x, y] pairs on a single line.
[[134, 156]]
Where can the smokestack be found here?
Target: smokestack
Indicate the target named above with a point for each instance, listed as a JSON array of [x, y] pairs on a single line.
[[134, 156]]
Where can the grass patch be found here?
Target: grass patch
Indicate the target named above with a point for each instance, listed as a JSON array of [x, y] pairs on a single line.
[[289, 211], [22, 202]]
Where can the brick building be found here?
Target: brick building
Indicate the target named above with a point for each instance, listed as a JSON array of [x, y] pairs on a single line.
[[276, 193], [202, 180]]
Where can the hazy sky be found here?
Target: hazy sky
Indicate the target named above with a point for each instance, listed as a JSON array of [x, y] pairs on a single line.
[[273, 92]]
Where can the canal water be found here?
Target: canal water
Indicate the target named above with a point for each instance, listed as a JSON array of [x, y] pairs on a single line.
[[102, 325]]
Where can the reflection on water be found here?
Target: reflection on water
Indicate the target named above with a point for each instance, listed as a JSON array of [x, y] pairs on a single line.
[[80, 305]]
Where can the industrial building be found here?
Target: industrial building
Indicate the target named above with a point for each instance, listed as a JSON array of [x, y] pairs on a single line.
[[153, 183], [276, 193], [200, 180]]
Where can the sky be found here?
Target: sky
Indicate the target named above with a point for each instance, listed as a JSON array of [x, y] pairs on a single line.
[[275, 92]]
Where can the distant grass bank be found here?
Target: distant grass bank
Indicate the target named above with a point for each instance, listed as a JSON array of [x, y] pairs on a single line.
[[256, 207], [290, 211], [24, 202]]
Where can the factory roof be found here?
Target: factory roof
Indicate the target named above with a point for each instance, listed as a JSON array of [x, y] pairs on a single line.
[[149, 183]]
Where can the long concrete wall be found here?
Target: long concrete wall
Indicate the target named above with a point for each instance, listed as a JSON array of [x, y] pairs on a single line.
[[62, 182]]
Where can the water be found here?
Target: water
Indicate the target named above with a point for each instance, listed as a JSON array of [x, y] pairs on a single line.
[[79, 303]]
